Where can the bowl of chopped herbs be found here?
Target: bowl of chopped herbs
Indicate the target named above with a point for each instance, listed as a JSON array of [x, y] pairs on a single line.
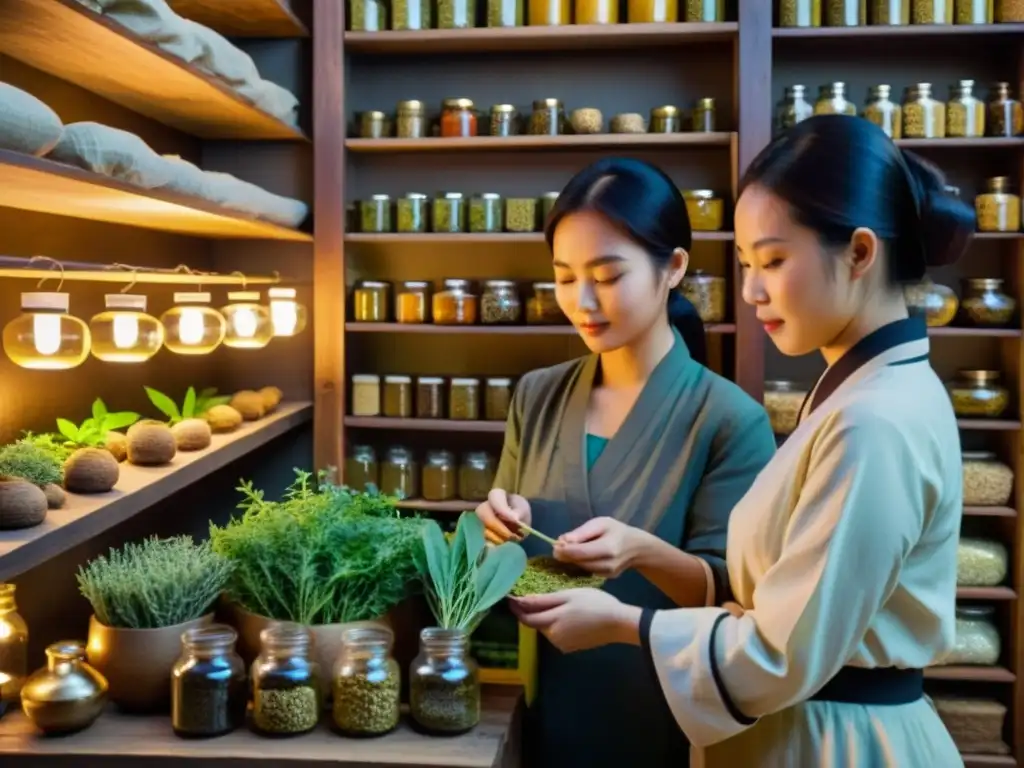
[[545, 574]]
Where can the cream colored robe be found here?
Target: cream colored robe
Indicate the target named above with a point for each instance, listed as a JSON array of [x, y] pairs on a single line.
[[843, 552]]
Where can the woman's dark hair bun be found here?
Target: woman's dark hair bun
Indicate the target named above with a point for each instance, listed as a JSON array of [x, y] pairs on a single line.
[[946, 223]]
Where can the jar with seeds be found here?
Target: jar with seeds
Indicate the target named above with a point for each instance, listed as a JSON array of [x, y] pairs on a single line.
[[986, 304], [373, 124], [444, 683], [399, 476], [923, 116], [890, 12], [286, 697], [704, 10], [497, 398], [464, 399], [505, 13], [412, 212], [666, 119], [988, 482], [361, 470], [476, 476], [597, 12], [411, 15], [783, 401], [977, 638], [549, 13], [706, 211], [932, 12], [703, 116], [521, 214], [938, 303], [706, 293], [499, 304], [448, 213], [209, 691], [547, 118], [542, 306], [547, 204], [997, 208], [456, 14], [366, 394], [973, 11], [978, 395], [430, 397], [1009, 11], [504, 120], [832, 101], [799, 13], [368, 15], [965, 112], [846, 13], [370, 301], [366, 683], [1005, 116], [884, 112], [411, 120], [652, 11], [980, 562], [793, 108], [412, 302], [458, 118], [456, 304], [398, 396], [375, 214], [439, 481], [486, 213]]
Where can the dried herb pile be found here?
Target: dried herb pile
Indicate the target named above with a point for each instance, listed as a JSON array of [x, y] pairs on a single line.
[[545, 574]]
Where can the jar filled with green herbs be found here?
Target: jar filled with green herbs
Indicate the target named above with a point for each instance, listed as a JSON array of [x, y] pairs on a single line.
[[924, 117], [373, 124], [412, 212], [505, 13], [504, 120], [411, 15], [932, 12], [883, 111], [846, 13], [448, 213], [521, 214], [965, 112], [209, 691], [411, 119], [444, 684], [547, 118], [286, 697], [832, 101], [368, 15], [890, 13], [367, 683], [375, 214], [456, 14], [486, 213], [799, 13], [973, 11]]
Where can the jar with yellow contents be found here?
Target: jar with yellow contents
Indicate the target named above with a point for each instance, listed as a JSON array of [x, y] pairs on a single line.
[[924, 117], [412, 302], [370, 301]]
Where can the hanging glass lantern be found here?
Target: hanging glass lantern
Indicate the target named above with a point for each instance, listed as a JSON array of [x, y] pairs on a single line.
[[286, 314], [192, 327], [125, 333], [44, 336], [248, 322]]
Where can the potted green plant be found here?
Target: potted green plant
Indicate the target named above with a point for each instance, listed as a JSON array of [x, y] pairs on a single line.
[[98, 447], [143, 597], [189, 427]]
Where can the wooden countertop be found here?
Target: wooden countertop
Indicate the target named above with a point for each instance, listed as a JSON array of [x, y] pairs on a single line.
[[118, 741]]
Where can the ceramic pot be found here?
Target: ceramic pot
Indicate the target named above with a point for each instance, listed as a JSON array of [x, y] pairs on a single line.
[[67, 694], [138, 662]]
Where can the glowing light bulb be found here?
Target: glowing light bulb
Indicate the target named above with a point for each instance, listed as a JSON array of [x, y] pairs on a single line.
[[285, 316], [190, 328], [46, 333], [245, 322], [125, 331]]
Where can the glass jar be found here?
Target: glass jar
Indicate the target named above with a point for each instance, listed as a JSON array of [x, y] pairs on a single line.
[[486, 213], [286, 697], [547, 204], [65, 696], [361, 469], [464, 399], [449, 213], [704, 116], [652, 11], [368, 15], [890, 12], [973, 11], [1009, 11], [476, 476], [597, 12], [667, 119], [521, 214], [366, 394], [412, 212], [783, 401], [504, 120], [497, 398], [965, 113], [411, 15], [706, 293], [1005, 115], [548, 117], [458, 117], [977, 639], [997, 208], [846, 13], [209, 687], [549, 13], [800, 13], [938, 303], [832, 100], [370, 301], [398, 397], [444, 684], [884, 112], [13, 646], [399, 475], [981, 562], [430, 397], [988, 482], [923, 116], [373, 125], [375, 214], [504, 13], [500, 303], [542, 306], [932, 12], [455, 305], [366, 683], [412, 302], [439, 482], [411, 119], [793, 108], [704, 10], [456, 14], [706, 212], [985, 303], [978, 395]]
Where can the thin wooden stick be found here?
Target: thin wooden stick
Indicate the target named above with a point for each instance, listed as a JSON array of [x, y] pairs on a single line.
[[538, 534]]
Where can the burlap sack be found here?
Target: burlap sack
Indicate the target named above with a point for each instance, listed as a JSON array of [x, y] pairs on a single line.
[[27, 125], [243, 197], [114, 153], [156, 22]]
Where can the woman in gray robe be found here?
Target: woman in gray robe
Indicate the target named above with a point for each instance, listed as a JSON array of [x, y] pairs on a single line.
[[638, 449]]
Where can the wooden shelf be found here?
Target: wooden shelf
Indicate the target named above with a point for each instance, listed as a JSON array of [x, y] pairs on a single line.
[[501, 144], [33, 184], [1007, 333], [993, 142], [491, 330], [971, 674], [998, 235], [424, 425], [485, 238], [138, 488], [456, 505], [988, 761], [562, 38], [998, 425], [990, 512], [67, 40], [985, 593], [910, 30], [243, 18]]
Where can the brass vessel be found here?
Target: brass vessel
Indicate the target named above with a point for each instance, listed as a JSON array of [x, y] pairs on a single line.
[[67, 694]]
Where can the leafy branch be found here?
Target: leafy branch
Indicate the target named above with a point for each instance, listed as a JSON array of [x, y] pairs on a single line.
[[192, 407], [93, 431]]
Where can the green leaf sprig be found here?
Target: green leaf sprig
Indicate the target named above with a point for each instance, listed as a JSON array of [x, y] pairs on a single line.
[[192, 407], [30, 462], [93, 431]]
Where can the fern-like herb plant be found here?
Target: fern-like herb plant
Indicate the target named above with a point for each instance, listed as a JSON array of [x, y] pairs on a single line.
[[463, 577], [30, 462], [155, 583], [192, 407], [93, 431]]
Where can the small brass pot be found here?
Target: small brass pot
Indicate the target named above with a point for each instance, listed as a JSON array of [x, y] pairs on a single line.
[[67, 694]]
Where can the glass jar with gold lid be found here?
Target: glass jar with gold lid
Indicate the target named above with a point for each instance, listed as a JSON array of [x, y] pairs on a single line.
[[458, 118], [884, 112], [547, 118], [978, 395], [924, 117], [997, 208], [938, 303], [832, 100], [411, 119], [986, 304], [703, 119], [965, 112], [666, 119]]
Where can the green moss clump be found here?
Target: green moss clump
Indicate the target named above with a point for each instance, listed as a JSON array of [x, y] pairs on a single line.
[[56, 445], [545, 574], [29, 462]]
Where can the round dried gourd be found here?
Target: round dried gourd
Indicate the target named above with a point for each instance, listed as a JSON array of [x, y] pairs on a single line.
[[22, 505], [223, 418], [192, 435], [117, 444], [271, 398], [150, 444], [249, 404], [91, 470], [55, 496]]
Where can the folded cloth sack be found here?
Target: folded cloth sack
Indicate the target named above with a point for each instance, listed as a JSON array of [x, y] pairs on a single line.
[[241, 196], [27, 124], [155, 22], [92, 5]]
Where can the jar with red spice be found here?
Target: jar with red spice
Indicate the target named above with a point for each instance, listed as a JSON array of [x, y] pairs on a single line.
[[458, 118]]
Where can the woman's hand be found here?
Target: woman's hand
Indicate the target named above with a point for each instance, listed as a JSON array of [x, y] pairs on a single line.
[[501, 515], [603, 546], [579, 619]]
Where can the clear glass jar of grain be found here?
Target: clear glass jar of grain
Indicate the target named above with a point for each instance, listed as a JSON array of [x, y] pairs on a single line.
[[923, 116], [286, 693], [373, 124], [500, 304], [444, 683], [666, 119], [988, 482], [361, 469], [973, 11], [398, 396], [977, 638], [505, 13], [375, 214], [366, 394], [411, 120], [411, 15], [832, 100], [486, 213], [997, 208], [412, 212], [1005, 115], [367, 683], [399, 475], [707, 293], [456, 14], [799, 13], [1009, 11], [521, 214], [965, 112], [704, 10], [978, 395], [439, 481], [464, 399], [497, 398], [846, 13], [448, 213], [430, 399], [793, 108], [890, 13], [783, 401], [932, 12], [370, 301], [368, 15], [476, 476], [547, 118], [412, 302], [981, 562], [985, 304], [504, 120], [884, 112]]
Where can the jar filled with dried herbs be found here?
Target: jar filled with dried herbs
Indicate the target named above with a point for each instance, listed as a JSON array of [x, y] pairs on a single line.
[[504, 120], [890, 12], [985, 304], [704, 116], [497, 398], [367, 683], [439, 481], [932, 12], [398, 397], [884, 112], [399, 475], [505, 13], [652, 11], [373, 124], [704, 10], [375, 214], [846, 13], [286, 697], [783, 401], [832, 101], [486, 212], [411, 15], [978, 395], [799, 13], [370, 301], [366, 394], [449, 213], [997, 208], [361, 468], [412, 302], [521, 214], [965, 112], [1009, 11], [412, 212], [706, 293], [923, 116], [666, 119], [464, 399], [456, 14], [444, 685], [973, 11], [430, 399], [1005, 116], [368, 15], [209, 691], [476, 476], [542, 306], [547, 118], [793, 108], [500, 303], [411, 120]]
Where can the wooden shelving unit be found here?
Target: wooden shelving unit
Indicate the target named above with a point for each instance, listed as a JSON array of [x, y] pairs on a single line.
[[609, 141], [500, 238], [244, 18], [490, 330]]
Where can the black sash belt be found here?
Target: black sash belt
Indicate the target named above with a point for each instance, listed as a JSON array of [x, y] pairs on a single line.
[[882, 685]]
